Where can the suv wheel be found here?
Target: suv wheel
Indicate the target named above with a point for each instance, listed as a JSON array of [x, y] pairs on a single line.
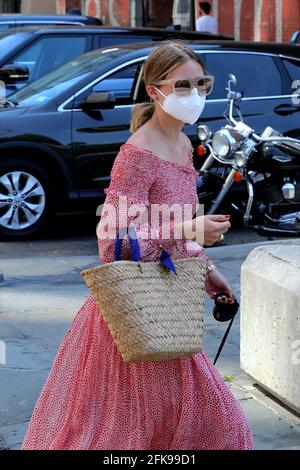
[[26, 199]]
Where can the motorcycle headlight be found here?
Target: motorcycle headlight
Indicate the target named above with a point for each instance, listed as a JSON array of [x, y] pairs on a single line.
[[239, 159], [223, 143], [204, 133]]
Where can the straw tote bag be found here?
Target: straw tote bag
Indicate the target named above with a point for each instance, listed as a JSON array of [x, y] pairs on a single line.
[[154, 309]]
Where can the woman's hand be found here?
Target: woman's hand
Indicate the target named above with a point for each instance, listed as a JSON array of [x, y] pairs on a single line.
[[214, 226], [215, 282], [205, 229]]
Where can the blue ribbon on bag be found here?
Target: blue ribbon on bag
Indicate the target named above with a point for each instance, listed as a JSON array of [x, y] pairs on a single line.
[[135, 248], [167, 262]]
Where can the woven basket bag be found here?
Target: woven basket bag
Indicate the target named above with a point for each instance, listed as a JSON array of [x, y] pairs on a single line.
[[154, 310]]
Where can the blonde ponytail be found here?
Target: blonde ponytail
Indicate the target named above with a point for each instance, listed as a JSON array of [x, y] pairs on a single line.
[[141, 113]]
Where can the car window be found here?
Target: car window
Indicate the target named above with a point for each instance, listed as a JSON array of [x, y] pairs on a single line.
[[49, 53], [293, 68], [253, 72], [66, 76], [119, 83], [106, 40], [3, 27], [9, 42]]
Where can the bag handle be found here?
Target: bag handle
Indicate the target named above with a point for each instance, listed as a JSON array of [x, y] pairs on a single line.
[[135, 248]]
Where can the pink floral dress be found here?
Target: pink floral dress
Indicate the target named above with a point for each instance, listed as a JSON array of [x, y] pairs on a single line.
[[92, 399]]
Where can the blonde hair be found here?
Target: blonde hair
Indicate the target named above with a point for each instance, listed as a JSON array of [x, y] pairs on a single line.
[[162, 60]]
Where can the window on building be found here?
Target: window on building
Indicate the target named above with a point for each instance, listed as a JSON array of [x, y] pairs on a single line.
[[10, 6]]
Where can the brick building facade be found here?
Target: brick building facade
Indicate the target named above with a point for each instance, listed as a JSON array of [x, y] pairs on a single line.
[[259, 20]]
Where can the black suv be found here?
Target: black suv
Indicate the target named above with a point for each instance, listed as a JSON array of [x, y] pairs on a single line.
[[60, 135], [18, 20], [28, 54]]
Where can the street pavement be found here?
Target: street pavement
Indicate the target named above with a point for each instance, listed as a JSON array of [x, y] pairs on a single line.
[[39, 298]]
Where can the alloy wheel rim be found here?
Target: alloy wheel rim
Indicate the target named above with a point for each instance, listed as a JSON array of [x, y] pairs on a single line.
[[22, 200]]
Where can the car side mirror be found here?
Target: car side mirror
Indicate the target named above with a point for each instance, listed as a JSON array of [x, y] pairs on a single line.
[[13, 73], [99, 100], [295, 39]]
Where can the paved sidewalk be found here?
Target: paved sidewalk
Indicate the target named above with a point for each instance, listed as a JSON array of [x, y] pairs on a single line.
[[40, 297]]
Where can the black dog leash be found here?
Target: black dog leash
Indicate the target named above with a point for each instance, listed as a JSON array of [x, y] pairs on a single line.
[[224, 312]]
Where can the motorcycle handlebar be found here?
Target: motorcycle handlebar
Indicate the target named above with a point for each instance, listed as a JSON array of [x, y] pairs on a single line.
[[255, 136], [275, 139], [231, 113]]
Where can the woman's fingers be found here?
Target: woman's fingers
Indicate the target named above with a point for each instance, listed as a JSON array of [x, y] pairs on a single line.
[[223, 227], [214, 226], [226, 300], [218, 217], [219, 229]]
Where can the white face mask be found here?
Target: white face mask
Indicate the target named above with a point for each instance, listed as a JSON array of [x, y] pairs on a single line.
[[184, 108]]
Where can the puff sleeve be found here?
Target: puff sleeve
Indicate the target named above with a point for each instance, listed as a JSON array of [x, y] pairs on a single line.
[[127, 198]]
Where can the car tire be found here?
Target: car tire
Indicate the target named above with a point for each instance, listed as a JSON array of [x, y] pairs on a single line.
[[27, 199]]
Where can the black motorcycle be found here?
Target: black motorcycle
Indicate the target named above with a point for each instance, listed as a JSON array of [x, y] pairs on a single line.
[[256, 176]]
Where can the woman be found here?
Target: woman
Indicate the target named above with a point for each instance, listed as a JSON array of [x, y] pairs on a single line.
[[92, 399]]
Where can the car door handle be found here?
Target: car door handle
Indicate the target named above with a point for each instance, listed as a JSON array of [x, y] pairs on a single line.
[[285, 109]]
